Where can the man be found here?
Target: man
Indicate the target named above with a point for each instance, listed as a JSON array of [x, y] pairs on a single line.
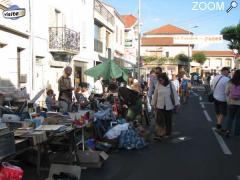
[[218, 86], [65, 90], [175, 82], [98, 87]]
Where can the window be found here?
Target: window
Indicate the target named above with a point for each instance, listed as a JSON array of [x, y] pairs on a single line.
[[121, 40], [228, 62], [97, 30], [57, 18], [116, 33], [167, 54]]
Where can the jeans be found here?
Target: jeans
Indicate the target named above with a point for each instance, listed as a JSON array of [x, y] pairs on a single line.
[[234, 114]]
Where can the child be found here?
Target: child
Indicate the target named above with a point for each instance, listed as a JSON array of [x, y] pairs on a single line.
[[50, 100]]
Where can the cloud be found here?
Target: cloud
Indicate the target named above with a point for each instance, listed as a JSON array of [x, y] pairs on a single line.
[[156, 19]]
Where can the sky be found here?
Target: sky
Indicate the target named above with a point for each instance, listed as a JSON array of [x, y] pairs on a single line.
[[207, 15]]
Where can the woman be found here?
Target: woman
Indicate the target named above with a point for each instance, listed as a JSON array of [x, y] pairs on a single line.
[[165, 99], [233, 100]]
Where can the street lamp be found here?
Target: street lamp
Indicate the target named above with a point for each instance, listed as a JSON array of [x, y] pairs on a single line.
[[139, 40], [189, 33]]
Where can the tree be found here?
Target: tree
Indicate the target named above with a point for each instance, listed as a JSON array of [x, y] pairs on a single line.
[[199, 57], [232, 34], [182, 58]]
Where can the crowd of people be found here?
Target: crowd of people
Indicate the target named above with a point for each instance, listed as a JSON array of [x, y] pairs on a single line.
[[226, 94], [163, 97]]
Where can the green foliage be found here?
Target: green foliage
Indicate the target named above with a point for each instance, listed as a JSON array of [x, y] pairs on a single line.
[[232, 34], [182, 58], [199, 57], [158, 60]]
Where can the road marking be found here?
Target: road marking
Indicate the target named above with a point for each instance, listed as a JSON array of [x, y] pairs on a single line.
[[206, 103], [195, 94], [207, 116], [223, 145], [200, 98], [203, 106]]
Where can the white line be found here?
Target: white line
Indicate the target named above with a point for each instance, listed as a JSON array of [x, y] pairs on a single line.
[[207, 116], [223, 145], [206, 103], [195, 94], [200, 98], [203, 106]]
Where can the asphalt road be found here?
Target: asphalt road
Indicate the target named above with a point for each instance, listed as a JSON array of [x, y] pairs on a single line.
[[195, 152]]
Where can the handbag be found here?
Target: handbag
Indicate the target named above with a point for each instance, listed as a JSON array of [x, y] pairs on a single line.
[[173, 99], [210, 96]]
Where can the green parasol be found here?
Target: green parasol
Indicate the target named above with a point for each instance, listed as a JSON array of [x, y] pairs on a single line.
[[108, 69]]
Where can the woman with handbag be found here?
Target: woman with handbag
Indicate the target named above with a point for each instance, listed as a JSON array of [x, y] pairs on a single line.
[[233, 100], [165, 100]]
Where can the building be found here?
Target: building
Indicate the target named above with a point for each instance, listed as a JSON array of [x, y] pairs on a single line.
[[131, 38], [104, 27], [63, 38], [15, 45], [216, 60], [159, 43]]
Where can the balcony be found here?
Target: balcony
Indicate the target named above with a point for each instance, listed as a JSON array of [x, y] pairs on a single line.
[[98, 46], [98, 6], [64, 41]]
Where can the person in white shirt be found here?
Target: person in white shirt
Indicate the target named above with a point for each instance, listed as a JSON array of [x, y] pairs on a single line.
[[165, 100], [175, 82], [218, 86], [98, 87]]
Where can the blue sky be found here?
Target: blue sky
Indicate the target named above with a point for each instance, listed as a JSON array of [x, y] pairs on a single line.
[[155, 13]]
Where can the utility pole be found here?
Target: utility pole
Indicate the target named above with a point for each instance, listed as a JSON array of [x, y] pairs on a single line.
[[139, 40]]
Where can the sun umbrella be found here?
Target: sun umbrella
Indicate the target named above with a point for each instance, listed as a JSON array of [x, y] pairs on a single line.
[[108, 69]]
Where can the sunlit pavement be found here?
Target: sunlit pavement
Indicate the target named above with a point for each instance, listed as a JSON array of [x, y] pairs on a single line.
[[195, 152]]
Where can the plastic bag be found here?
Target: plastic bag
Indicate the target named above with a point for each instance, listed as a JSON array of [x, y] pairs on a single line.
[[9, 171]]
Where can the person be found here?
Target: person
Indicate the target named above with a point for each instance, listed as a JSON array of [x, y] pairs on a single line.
[[218, 87], [142, 82], [184, 89], [65, 90], [82, 95], [164, 101], [50, 100], [98, 86], [175, 82], [153, 82], [233, 100], [195, 79]]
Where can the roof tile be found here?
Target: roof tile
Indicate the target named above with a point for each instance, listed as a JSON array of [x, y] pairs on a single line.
[[167, 29], [129, 20]]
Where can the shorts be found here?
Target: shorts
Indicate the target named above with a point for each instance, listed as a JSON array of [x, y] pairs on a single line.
[[220, 107]]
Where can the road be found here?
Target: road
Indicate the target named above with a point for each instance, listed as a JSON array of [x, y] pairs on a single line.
[[195, 152]]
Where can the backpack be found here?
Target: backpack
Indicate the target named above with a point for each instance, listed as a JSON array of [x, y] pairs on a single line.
[[235, 92], [184, 84]]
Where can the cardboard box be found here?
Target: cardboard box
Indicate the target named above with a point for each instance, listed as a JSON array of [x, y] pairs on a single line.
[[61, 168], [92, 159]]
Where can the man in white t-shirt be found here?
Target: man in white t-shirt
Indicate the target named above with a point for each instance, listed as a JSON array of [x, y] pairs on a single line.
[[218, 86], [98, 87]]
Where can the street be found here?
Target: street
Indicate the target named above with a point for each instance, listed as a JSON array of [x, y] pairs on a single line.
[[195, 152]]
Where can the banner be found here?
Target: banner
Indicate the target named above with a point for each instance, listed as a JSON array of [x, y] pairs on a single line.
[[210, 39]]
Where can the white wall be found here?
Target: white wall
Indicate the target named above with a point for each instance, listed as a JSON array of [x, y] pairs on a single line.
[[173, 50], [12, 41]]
